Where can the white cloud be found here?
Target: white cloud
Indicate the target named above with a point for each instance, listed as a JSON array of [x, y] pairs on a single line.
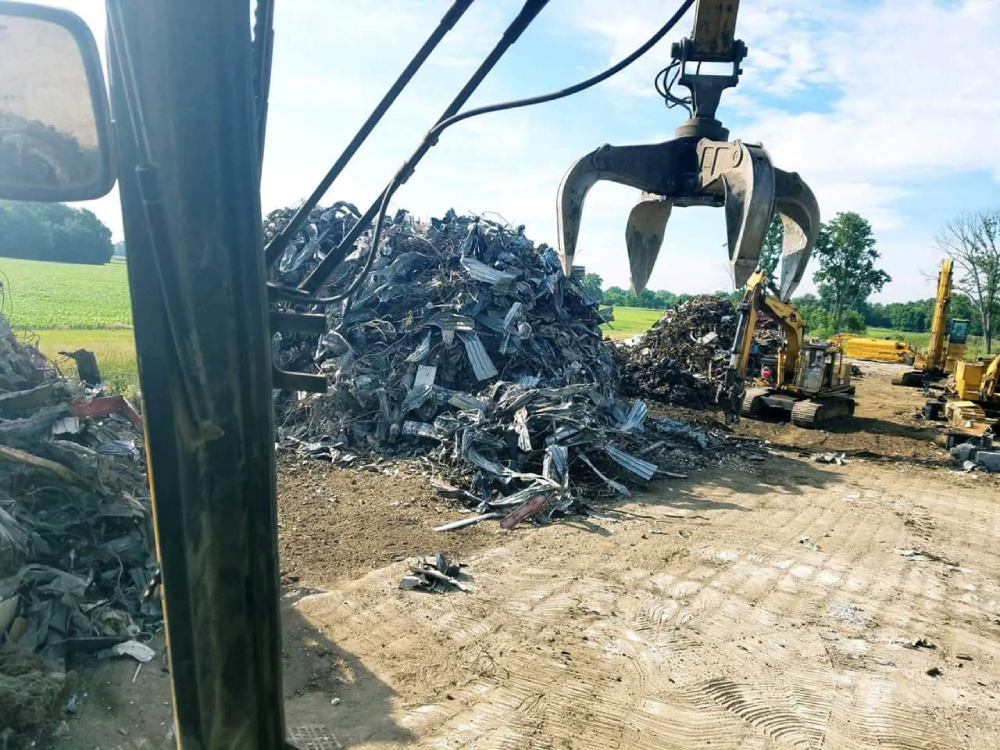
[[870, 102]]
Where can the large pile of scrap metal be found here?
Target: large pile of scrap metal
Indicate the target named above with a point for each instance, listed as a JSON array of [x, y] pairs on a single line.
[[679, 360], [468, 351], [75, 530]]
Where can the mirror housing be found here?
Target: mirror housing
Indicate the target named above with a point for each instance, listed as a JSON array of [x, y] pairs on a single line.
[[55, 124]]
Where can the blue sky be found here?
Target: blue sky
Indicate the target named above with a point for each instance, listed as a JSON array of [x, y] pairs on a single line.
[[860, 98]]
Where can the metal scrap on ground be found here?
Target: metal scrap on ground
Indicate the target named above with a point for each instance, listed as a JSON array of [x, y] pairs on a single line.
[[76, 541], [469, 354], [680, 359]]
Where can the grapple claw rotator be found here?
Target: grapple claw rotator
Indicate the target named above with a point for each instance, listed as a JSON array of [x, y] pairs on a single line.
[[699, 167]]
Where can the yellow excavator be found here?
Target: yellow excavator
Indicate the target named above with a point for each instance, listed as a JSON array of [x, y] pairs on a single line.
[[977, 381], [947, 342], [811, 384]]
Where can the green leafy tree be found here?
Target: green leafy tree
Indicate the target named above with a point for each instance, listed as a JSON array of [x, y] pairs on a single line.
[[972, 240], [848, 273], [53, 231], [770, 251], [592, 284], [852, 321]]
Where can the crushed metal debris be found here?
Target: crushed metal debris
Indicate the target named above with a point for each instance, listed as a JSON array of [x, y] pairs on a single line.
[[680, 359], [435, 573], [76, 542], [468, 354]]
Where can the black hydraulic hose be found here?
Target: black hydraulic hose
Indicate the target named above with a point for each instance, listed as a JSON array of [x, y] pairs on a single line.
[[326, 266], [570, 90], [277, 246]]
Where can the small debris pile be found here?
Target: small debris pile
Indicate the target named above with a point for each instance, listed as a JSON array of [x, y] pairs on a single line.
[[435, 573], [75, 528], [980, 453], [29, 690], [469, 352], [681, 358]]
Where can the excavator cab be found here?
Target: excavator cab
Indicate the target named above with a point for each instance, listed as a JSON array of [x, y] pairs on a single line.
[[957, 334], [821, 369]]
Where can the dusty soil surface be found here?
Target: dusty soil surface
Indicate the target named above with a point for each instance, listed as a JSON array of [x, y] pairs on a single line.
[[886, 422], [336, 524], [773, 609]]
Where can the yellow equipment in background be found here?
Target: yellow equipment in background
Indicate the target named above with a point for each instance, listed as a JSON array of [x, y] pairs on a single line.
[[947, 342], [812, 383], [977, 381], [876, 350]]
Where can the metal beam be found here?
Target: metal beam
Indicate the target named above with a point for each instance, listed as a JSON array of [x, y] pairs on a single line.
[[209, 433]]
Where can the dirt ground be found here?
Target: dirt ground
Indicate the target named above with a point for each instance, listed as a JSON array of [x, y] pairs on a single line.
[[773, 609]]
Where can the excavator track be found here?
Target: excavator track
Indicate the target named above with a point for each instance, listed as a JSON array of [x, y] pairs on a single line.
[[910, 379], [814, 413], [752, 406]]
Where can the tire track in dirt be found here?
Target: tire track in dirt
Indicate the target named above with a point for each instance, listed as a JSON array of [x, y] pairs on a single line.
[[745, 640]]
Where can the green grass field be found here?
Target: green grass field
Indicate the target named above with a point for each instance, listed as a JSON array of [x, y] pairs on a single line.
[[69, 306], [629, 321], [38, 294]]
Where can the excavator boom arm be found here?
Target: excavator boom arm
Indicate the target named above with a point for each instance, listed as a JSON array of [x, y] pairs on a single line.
[[937, 349], [756, 299]]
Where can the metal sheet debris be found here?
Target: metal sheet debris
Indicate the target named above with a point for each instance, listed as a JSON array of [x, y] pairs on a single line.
[[462, 523], [76, 548], [138, 651], [481, 363], [637, 466], [435, 573], [529, 405]]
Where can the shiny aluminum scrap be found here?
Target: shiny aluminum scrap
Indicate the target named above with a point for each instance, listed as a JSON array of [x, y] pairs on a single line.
[[469, 354]]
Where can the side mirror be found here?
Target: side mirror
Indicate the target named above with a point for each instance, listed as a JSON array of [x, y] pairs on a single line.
[[55, 128]]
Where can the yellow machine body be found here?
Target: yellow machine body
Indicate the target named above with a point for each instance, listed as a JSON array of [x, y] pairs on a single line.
[[877, 350]]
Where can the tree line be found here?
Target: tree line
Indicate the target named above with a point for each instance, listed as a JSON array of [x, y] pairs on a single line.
[[848, 275], [54, 232]]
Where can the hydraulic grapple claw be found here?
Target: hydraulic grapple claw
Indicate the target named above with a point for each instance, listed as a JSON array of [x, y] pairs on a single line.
[[696, 172], [647, 168], [698, 167], [799, 212]]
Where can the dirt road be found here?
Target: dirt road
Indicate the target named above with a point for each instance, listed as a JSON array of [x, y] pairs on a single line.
[[728, 610]]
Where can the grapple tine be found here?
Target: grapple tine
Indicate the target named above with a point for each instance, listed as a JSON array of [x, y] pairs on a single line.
[[647, 222], [749, 191], [653, 168], [573, 189], [799, 212]]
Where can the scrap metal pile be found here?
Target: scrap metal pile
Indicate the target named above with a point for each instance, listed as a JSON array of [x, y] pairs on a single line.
[[75, 528], [469, 351], [681, 358]]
